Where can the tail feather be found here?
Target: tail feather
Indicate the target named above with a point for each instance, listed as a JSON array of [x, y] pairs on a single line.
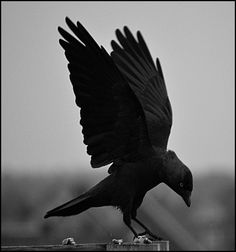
[[99, 195], [72, 207]]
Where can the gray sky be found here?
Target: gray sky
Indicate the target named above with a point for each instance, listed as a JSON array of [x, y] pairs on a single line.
[[195, 44]]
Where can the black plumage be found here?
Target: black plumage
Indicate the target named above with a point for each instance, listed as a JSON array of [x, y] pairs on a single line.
[[126, 118]]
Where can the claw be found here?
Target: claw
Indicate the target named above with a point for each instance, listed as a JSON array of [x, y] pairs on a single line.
[[117, 241], [68, 241], [142, 239]]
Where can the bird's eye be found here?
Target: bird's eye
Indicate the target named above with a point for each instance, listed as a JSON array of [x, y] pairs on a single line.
[[181, 184]]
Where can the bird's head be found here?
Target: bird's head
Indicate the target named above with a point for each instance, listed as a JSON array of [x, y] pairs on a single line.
[[177, 176]]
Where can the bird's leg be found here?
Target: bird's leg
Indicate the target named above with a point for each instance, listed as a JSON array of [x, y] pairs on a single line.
[[127, 221], [131, 228], [147, 231]]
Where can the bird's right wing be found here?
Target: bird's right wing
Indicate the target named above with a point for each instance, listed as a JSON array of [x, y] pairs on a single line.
[[147, 81], [111, 116]]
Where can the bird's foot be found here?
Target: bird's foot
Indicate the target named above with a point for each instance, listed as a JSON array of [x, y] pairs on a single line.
[[142, 239], [152, 237], [68, 241], [117, 241]]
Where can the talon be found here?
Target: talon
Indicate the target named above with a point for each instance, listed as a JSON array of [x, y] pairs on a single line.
[[68, 241], [117, 241], [135, 237], [142, 239], [147, 240]]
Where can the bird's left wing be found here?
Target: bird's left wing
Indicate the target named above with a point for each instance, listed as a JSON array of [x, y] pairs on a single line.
[[111, 116]]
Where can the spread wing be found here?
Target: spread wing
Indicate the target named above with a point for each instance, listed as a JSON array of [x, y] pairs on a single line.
[[111, 116], [147, 81]]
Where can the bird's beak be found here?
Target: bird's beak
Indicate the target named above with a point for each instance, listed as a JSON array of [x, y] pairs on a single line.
[[187, 198]]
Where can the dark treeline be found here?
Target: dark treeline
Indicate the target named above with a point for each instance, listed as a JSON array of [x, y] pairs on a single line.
[[209, 222]]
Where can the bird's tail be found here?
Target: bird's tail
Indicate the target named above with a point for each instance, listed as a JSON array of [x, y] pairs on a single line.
[[72, 207], [99, 195]]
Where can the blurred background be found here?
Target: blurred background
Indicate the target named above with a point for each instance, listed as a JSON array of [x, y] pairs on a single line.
[[44, 161]]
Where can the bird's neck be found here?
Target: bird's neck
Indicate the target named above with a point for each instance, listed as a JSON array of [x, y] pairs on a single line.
[[158, 164]]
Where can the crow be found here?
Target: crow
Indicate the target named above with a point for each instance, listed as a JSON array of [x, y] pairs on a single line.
[[126, 119]]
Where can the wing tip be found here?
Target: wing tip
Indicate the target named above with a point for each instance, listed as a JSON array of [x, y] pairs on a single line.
[[126, 28], [139, 34], [67, 19], [60, 29]]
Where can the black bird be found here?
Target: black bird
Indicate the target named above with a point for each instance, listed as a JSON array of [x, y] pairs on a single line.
[[126, 117]]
